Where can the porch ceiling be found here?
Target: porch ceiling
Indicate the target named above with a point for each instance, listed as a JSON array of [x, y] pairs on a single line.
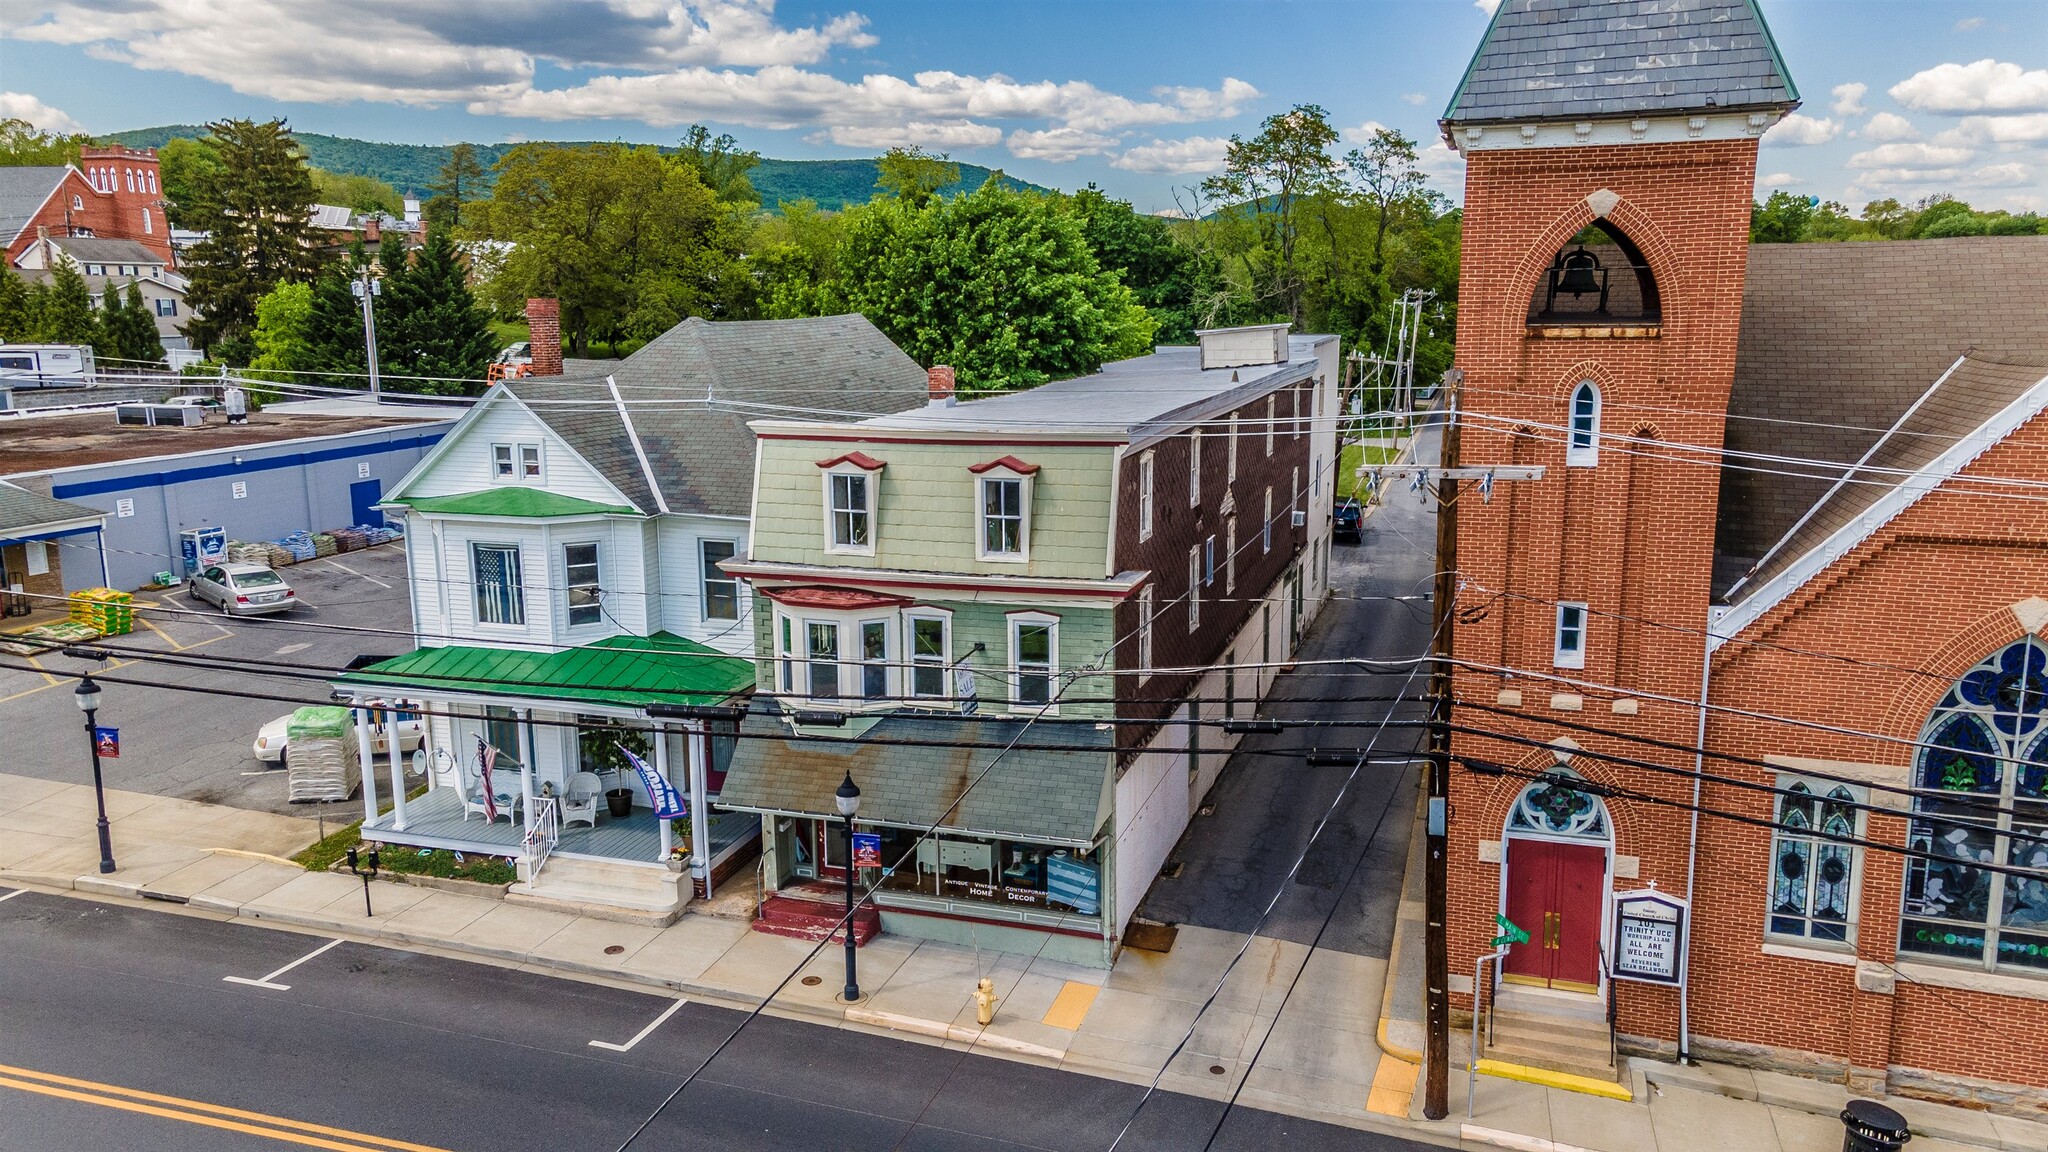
[[630, 670]]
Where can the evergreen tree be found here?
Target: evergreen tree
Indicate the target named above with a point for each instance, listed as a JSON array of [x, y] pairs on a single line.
[[63, 309], [128, 328], [334, 329], [255, 211], [436, 328], [461, 180], [15, 320]]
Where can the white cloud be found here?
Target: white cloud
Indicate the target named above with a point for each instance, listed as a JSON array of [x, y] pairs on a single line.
[[937, 136], [1416, 98], [1969, 23], [1361, 134], [1902, 156], [1059, 145], [1849, 99], [1800, 131], [1920, 181], [22, 106], [1183, 157], [1982, 86], [1778, 180], [2003, 131], [1486, 6], [1889, 126], [1441, 163]]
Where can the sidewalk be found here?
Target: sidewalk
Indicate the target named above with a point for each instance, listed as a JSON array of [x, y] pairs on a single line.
[[1319, 1058], [1675, 1108]]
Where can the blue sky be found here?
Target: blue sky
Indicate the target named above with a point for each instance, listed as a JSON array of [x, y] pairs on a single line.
[[1902, 97]]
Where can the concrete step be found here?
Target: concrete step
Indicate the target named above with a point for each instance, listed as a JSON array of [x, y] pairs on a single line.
[[1554, 1058], [607, 889], [1524, 1000], [1567, 1034]]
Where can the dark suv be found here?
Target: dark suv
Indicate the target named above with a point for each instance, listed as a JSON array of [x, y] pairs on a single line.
[[1347, 519]]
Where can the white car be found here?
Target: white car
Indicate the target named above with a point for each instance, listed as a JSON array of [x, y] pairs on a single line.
[[243, 589], [270, 739]]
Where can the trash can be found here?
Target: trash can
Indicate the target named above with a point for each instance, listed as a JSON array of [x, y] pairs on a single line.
[[1872, 1127]]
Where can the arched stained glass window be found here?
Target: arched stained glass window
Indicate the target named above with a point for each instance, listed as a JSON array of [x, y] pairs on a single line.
[[1984, 799], [1813, 872], [1556, 806]]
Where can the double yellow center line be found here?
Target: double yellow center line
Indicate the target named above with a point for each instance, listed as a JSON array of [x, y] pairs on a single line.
[[200, 1112]]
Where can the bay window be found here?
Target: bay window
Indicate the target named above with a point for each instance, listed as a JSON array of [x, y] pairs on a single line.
[[874, 660], [821, 640]]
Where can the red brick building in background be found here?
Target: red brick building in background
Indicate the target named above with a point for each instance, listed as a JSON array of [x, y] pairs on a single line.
[[114, 193], [1805, 484]]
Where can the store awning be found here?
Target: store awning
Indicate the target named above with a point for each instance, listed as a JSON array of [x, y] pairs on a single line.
[[1053, 787], [630, 670]]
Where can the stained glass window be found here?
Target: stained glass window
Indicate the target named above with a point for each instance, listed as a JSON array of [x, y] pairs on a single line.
[[1556, 806], [1812, 876], [1984, 799]]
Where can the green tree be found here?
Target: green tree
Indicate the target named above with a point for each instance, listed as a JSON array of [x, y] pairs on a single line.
[[22, 144], [16, 320], [128, 329], [794, 259], [437, 329], [1165, 274], [356, 193], [1000, 284], [720, 164], [1782, 219], [1383, 175], [255, 211], [283, 334], [62, 309], [914, 175], [461, 181], [1272, 176], [334, 327], [186, 164]]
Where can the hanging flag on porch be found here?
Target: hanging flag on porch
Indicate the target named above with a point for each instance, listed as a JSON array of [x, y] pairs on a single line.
[[486, 759], [668, 803]]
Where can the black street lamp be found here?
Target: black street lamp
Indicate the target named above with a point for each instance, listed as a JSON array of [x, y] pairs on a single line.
[[88, 697], [849, 803]]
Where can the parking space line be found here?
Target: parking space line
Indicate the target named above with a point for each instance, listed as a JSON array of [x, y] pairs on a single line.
[[12, 895], [175, 646], [359, 575], [644, 1032], [269, 980]]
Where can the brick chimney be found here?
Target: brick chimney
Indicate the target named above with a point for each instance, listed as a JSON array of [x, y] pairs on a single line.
[[544, 325], [939, 385], [373, 231]]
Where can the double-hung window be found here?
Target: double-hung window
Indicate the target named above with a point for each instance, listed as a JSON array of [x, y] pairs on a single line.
[[500, 588], [1144, 632], [1034, 652], [930, 652], [515, 462], [821, 648], [1272, 420], [785, 630], [1003, 523], [1195, 468], [1813, 871], [850, 511], [1266, 528], [1145, 495], [529, 461], [1570, 649], [1194, 587], [1208, 561], [874, 659], [1231, 471], [501, 462], [579, 566], [718, 592]]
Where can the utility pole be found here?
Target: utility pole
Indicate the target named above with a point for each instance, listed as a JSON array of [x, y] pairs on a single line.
[[1436, 976], [366, 289]]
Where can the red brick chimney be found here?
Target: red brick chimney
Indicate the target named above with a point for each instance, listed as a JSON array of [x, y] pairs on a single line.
[[544, 327], [939, 385]]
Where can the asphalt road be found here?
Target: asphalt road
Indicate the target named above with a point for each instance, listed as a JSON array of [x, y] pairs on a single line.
[[447, 1054], [196, 745], [1266, 806]]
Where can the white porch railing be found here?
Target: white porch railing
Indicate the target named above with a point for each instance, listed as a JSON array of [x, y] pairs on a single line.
[[543, 832]]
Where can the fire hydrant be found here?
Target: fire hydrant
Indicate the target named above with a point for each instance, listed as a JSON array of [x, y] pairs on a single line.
[[985, 1001]]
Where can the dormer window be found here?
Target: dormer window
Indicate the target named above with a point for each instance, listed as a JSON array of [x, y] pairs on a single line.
[[1004, 509], [850, 483]]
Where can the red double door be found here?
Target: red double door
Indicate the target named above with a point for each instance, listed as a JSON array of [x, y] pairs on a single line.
[[1556, 894]]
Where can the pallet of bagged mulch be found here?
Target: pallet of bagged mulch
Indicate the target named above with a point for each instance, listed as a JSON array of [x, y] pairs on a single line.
[[324, 545], [299, 544], [247, 552], [349, 539]]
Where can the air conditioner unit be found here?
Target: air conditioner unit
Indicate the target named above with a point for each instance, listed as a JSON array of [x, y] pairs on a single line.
[[1300, 519]]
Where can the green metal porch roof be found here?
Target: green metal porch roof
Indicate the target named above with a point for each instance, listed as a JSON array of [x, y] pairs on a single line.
[[633, 670], [520, 502]]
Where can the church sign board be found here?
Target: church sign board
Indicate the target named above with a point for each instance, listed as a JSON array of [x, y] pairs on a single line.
[[1649, 936]]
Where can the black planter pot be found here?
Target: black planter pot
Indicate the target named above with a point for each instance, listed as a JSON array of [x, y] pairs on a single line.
[[620, 802]]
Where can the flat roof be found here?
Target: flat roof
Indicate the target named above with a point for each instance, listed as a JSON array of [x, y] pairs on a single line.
[[1128, 398], [36, 444]]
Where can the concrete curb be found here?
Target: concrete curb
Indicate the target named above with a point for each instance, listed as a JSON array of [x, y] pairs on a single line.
[[1494, 1137], [1394, 954]]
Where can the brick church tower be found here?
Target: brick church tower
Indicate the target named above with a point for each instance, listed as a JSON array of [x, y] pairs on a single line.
[[1610, 151]]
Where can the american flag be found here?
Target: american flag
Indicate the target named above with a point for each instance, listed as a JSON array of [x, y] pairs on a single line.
[[487, 758]]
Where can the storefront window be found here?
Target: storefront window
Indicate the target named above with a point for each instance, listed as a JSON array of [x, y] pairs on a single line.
[[975, 870]]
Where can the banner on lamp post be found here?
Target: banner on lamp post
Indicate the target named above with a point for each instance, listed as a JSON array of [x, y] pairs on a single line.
[[107, 742]]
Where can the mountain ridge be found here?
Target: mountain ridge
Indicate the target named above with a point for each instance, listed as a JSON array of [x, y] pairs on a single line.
[[411, 167]]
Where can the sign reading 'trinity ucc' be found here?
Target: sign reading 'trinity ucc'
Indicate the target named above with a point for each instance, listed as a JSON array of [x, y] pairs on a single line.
[[1649, 936]]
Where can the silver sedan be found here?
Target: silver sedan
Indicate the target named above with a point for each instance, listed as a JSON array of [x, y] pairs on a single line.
[[243, 589]]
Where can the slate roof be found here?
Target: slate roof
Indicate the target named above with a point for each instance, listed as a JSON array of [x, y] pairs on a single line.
[[101, 250], [1837, 342], [24, 511], [1030, 793], [22, 191], [690, 392], [1580, 59]]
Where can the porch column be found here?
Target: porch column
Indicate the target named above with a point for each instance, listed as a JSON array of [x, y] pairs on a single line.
[[368, 761], [668, 836], [397, 768], [526, 766], [700, 804]]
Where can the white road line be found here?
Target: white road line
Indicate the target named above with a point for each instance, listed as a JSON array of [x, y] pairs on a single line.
[[12, 895], [359, 575], [291, 648], [268, 981], [643, 1033]]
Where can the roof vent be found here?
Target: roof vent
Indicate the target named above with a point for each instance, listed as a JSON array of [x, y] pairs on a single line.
[[1244, 347]]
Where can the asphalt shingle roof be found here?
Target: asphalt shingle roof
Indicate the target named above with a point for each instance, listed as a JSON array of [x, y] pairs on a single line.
[[22, 191], [1029, 793], [22, 510], [100, 250], [1573, 59], [690, 392]]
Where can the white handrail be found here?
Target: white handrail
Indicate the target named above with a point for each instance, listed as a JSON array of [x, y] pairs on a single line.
[[543, 832]]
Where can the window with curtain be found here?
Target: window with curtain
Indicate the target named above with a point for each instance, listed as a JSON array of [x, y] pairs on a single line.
[[500, 589], [822, 641], [1984, 800], [1812, 873]]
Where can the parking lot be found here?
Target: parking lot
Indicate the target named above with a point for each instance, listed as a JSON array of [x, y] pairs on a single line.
[[196, 744]]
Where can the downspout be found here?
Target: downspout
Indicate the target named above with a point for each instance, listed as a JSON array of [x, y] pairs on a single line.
[[1692, 852]]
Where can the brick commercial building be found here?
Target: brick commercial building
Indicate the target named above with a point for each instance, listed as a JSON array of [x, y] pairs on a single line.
[[1800, 484]]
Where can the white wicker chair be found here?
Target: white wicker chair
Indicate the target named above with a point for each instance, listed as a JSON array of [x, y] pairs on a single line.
[[580, 799]]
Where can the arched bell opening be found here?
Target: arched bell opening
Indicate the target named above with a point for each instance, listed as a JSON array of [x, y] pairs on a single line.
[[1598, 277]]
